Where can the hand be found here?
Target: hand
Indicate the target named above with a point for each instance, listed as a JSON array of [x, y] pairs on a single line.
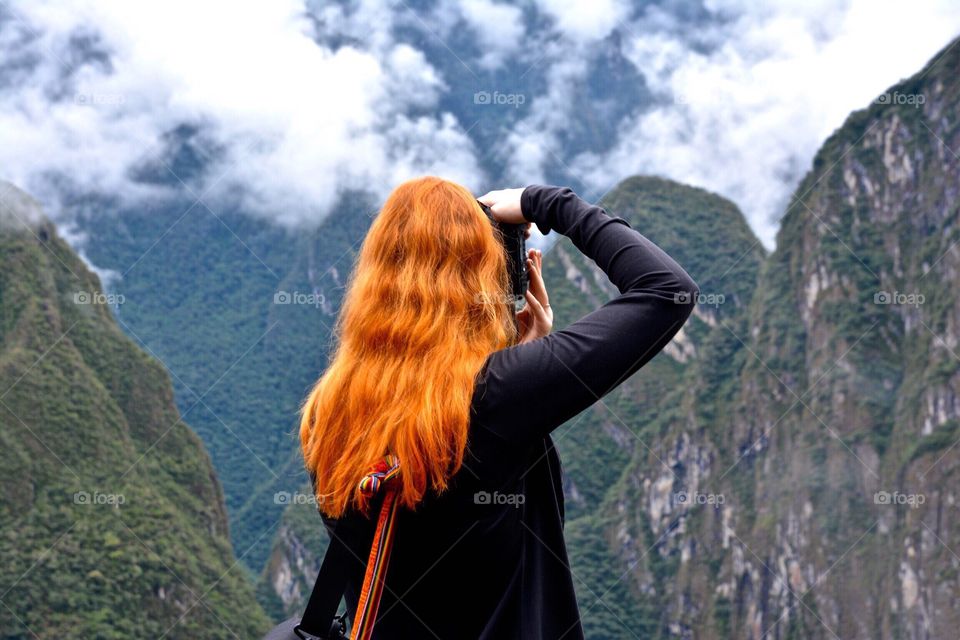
[[505, 205], [536, 318]]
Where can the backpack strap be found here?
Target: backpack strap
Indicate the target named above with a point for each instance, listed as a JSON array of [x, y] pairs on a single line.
[[319, 618]]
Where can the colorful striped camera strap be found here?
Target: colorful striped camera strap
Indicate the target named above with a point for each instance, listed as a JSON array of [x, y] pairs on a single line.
[[378, 480]]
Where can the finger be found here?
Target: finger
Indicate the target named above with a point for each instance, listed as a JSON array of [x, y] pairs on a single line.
[[489, 198], [535, 307], [537, 285], [532, 254], [524, 322]]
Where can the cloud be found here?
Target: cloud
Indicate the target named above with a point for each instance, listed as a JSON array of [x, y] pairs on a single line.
[[19, 211], [284, 119], [585, 21], [535, 142], [499, 28], [744, 103]]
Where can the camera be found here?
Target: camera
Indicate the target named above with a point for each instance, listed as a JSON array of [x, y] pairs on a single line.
[[514, 241]]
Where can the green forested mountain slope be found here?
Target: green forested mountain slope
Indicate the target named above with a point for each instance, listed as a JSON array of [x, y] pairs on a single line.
[[239, 311], [709, 236], [112, 521]]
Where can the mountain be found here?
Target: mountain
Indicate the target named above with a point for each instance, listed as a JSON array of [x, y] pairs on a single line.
[[602, 448], [112, 521], [239, 311], [806, 486], [298, 547]]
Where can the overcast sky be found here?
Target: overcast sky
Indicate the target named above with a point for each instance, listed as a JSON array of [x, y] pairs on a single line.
[[89, 88]]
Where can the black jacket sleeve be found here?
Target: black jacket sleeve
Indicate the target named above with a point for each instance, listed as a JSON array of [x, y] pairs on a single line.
[[526, 391]]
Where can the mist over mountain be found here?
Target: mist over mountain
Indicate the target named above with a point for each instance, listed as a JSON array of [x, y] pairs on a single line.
[[279, 109]]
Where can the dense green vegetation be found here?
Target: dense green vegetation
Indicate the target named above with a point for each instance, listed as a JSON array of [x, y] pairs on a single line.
[[200, 291], [112, 522], [710, 238]]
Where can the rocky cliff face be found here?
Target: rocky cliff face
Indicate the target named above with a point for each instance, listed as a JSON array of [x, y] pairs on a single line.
[[295, 556], [112, 521], [627, 540], [807, 487]]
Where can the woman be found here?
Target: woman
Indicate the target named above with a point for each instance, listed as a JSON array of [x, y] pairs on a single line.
[[433, 366]]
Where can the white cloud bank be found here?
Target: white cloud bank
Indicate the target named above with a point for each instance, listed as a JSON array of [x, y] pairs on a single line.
[[293, 122], [744, 99], [746, 119]]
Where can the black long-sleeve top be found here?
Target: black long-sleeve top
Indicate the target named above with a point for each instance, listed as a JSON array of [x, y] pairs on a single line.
[[486, 559]]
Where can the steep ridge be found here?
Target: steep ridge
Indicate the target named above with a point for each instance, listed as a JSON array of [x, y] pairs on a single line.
[[824, 451], [112, 521], [709, 236]]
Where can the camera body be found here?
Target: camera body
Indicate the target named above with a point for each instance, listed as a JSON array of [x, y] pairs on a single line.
[[514, 241]]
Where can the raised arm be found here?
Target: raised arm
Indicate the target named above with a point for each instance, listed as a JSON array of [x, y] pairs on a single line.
[[528, 390]]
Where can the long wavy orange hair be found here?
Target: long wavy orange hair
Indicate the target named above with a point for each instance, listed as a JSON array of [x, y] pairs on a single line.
[[425, 305]]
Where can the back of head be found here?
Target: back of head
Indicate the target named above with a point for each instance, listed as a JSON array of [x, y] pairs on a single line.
[[426, 303]]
